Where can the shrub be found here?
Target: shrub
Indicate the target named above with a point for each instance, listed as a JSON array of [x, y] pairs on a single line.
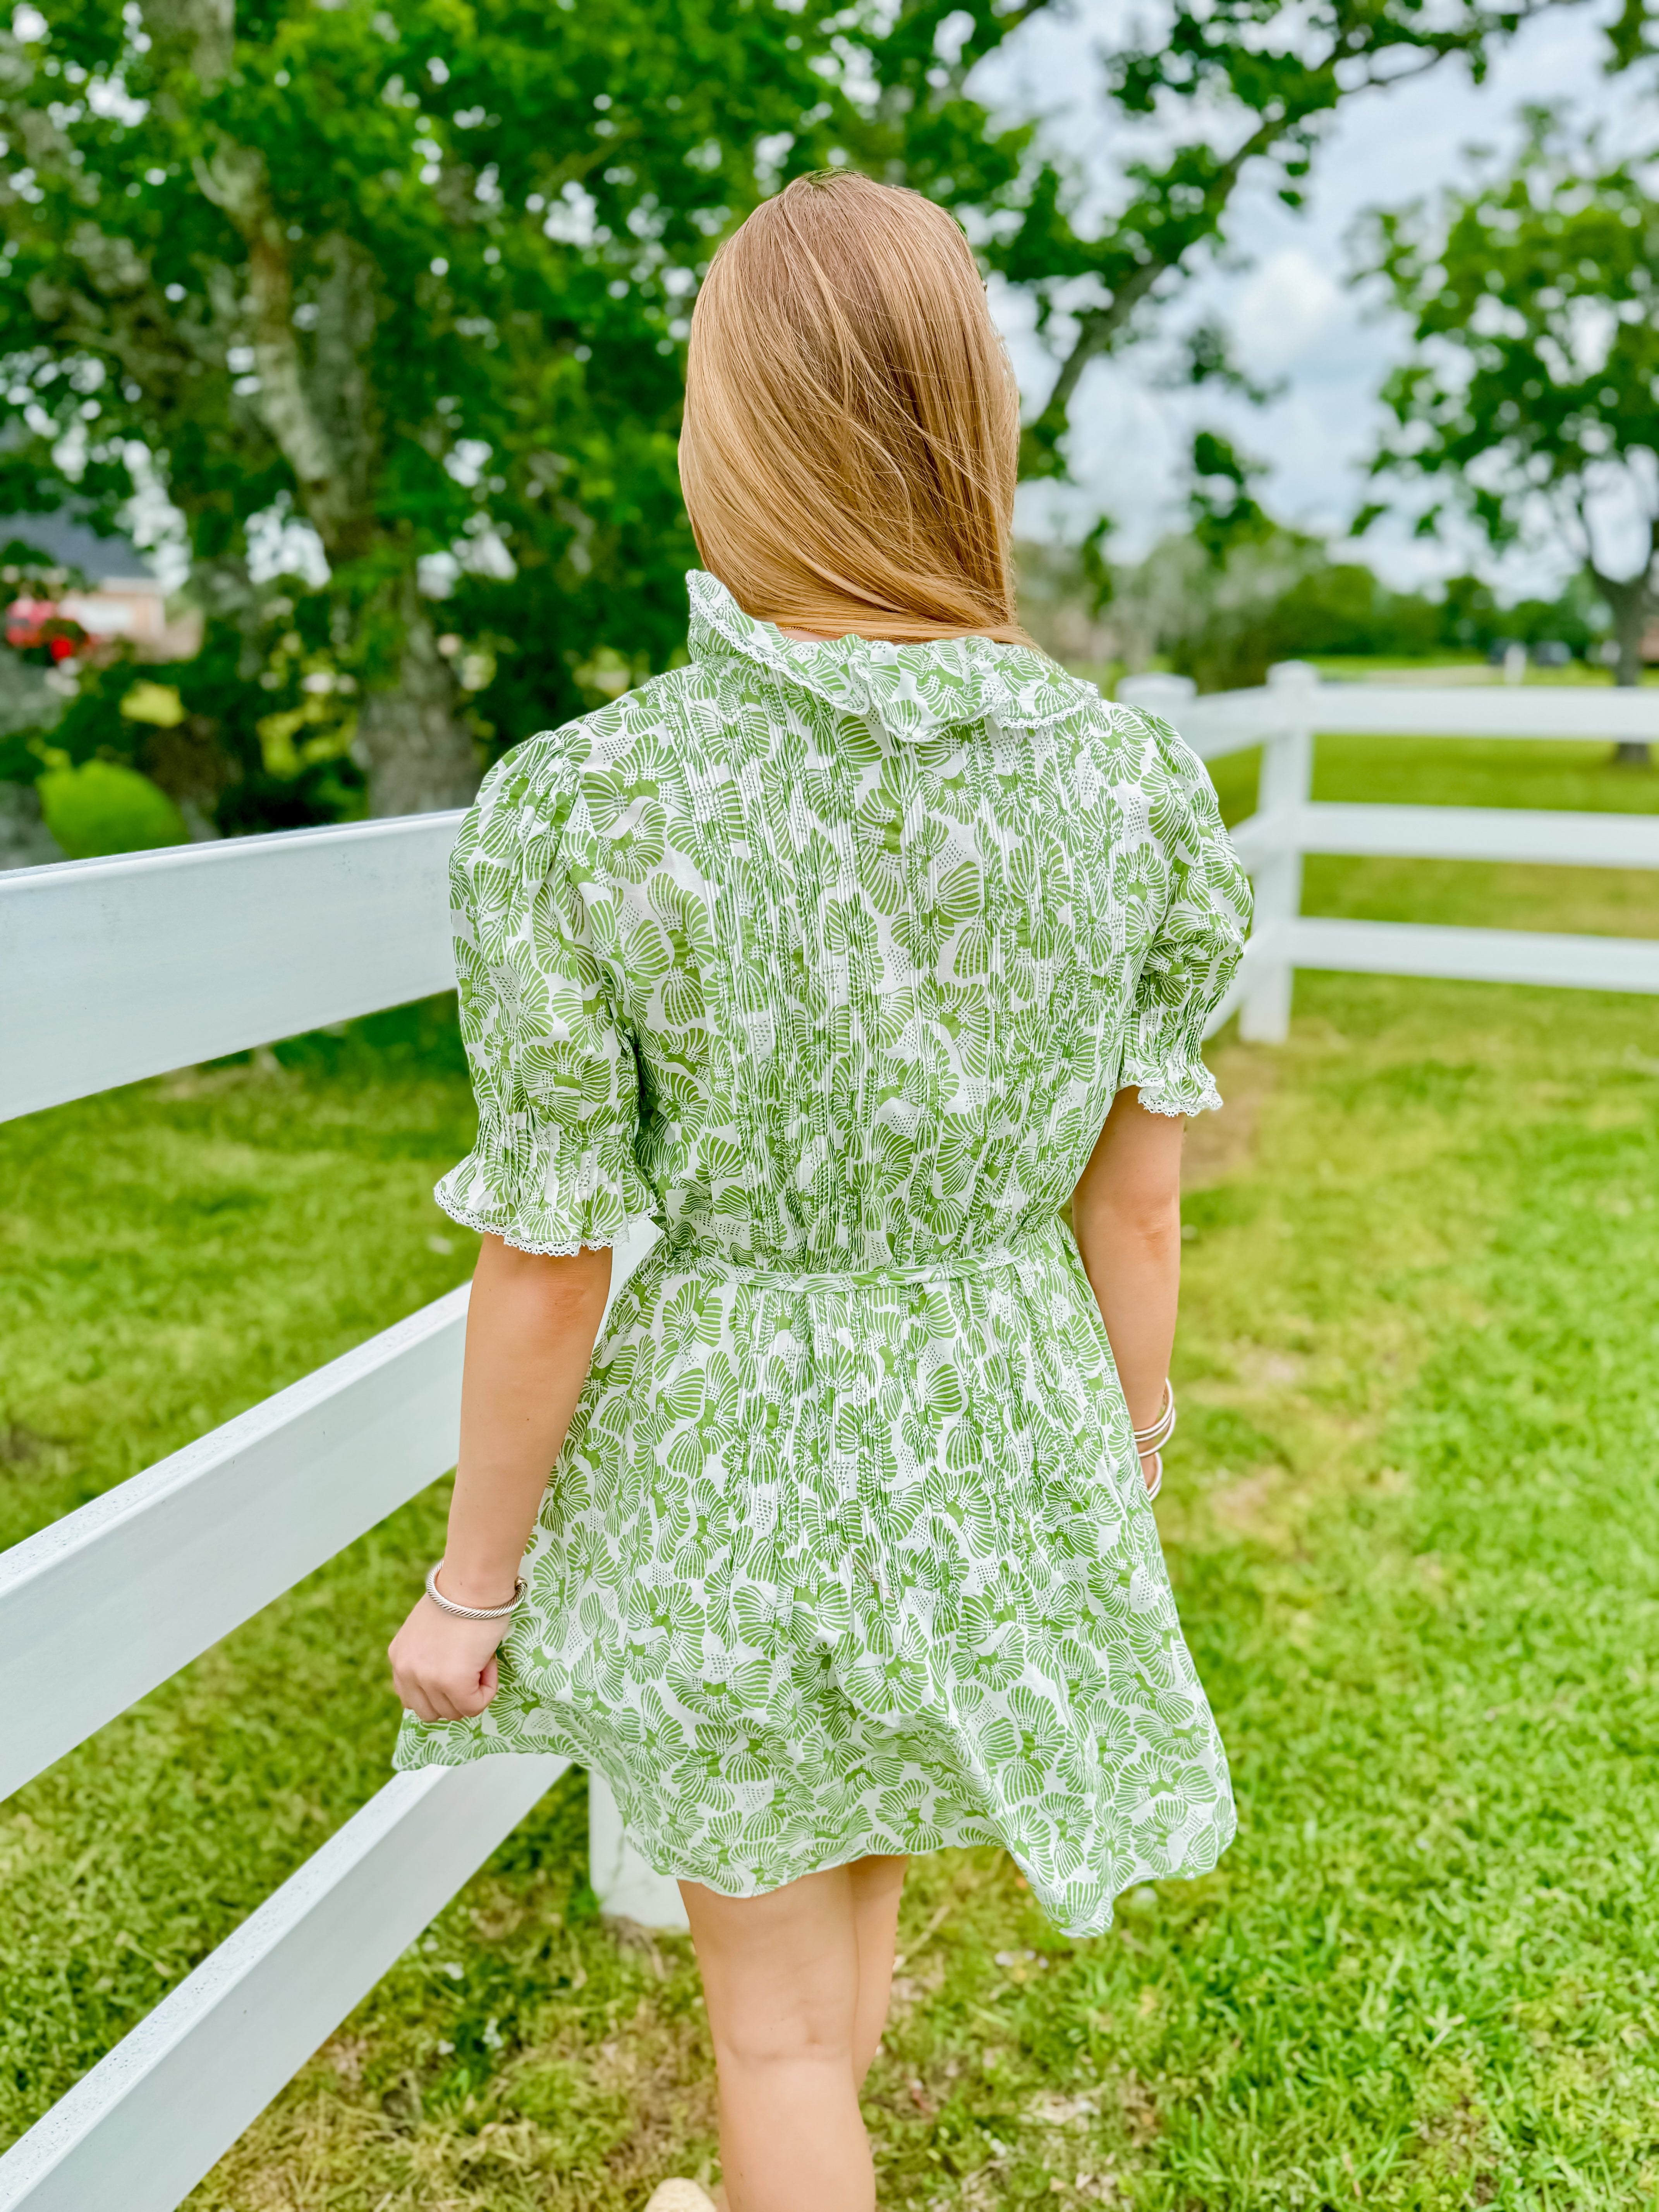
[[102, 807]]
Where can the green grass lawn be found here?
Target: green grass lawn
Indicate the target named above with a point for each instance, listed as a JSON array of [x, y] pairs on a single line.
[[1461, 667], [1358, 667], [1413, 1522]]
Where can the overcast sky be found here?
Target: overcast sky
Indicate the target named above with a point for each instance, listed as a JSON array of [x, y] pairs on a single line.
[[1292, 313]]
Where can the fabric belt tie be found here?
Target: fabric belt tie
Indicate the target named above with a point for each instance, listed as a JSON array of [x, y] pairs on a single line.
[[949, 1267]]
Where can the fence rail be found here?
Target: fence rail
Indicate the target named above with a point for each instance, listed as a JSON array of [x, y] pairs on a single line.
[[1227, 722], [1282, 717], [138, 2132], [174, 1558], [114, 970], [1458, 955], [1455, 833]]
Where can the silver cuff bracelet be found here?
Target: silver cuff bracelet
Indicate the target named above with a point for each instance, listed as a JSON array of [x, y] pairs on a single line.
[[1157, 1433], [472, 1612]]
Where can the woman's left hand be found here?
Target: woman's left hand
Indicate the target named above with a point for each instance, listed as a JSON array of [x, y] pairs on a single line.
[[444, 1668]]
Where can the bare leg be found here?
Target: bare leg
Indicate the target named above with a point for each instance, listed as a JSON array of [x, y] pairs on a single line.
[[795, 2029], [877, 1885]]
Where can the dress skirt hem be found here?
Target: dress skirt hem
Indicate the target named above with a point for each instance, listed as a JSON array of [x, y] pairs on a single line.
[[426, 1749]]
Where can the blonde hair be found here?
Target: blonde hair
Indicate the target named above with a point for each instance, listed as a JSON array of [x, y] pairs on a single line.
[[852, 423]]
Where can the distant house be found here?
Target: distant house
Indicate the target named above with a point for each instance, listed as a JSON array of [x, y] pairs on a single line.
[[122, 596]]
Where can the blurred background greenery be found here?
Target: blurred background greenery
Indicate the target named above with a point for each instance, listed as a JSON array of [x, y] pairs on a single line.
[[369, 322]]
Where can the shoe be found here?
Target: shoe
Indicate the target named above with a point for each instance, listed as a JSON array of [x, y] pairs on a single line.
[[680, 2197]]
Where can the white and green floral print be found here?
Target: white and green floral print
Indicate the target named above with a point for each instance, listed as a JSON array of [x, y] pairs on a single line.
[[830, 958]]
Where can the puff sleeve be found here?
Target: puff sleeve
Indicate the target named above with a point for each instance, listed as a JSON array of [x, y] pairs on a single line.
[[554, 1069], [1195, 945]]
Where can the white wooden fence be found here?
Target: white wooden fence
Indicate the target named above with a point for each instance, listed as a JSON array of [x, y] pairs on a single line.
[[1282, 717], [114, 970]]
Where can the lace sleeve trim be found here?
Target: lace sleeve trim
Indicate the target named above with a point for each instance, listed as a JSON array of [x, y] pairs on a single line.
[[1175, 1091], [468, 1217]]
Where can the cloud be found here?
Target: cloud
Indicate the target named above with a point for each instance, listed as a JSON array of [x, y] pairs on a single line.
[[1285, 307], [1289, 311]]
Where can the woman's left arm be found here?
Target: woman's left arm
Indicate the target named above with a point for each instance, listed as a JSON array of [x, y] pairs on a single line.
[[1126, 1216], [530, 1329]]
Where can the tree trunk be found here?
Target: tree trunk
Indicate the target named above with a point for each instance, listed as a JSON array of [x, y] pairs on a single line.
[[420, 754], [1633, 605]]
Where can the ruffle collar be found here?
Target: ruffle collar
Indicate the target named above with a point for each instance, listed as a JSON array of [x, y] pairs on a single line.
[[912, 690]]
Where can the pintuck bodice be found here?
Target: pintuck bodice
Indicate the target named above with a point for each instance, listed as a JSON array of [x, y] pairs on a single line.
[[831, 959]]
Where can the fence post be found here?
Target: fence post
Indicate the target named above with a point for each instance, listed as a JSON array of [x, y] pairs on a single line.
[[1286, 784], [622, 1882], [1160, 695]]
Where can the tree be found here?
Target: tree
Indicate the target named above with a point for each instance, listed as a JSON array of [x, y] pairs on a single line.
[[417, 274], [1236, 590], [1245, 87], [1532, 394]]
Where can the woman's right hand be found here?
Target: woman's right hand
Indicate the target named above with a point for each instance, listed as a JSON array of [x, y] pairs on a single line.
[[529, 1333], [444, 1668]]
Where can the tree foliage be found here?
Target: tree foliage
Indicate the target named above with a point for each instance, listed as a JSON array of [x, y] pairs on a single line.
[[1237, 590], [417, 275], [1530, 401], [1242, 86], [1222, 506]]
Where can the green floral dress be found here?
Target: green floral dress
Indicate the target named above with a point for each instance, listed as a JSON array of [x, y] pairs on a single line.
[[830, 958]]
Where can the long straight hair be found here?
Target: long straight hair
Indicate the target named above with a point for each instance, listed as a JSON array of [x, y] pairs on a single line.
[[852, 423]]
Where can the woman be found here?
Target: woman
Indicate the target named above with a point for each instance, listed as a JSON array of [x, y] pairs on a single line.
[[854, 953]]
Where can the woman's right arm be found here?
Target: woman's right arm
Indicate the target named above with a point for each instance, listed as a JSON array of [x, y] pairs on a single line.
[[1126, 1216]]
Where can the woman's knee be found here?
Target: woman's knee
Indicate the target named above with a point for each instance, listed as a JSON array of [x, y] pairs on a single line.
[[780, 1973], [816, 2030]]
